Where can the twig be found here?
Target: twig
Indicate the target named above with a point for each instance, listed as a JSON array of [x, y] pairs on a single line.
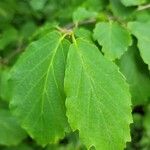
[[143, 7], [85, 22], [66, 29]]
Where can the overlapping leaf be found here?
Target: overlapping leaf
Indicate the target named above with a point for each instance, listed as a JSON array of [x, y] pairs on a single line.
[[38, 96], [98, 99], [95, 5]]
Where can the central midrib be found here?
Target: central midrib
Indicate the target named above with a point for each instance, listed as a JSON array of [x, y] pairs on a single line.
[[48, 70]]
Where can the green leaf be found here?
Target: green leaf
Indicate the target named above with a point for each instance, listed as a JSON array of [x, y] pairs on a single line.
[[82, 14], [142, 33], [142, 16], [43, 30], [28, 29], [38, 5], [7, 11], [137, 75], [133, 2], [10, 131], [8, 36], [38, 96], [5, 87], [95, 5], [98, 99], [114, 39], [83, 33], [119, 10]]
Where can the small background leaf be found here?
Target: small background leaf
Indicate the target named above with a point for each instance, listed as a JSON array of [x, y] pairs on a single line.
[[8, 36], [37, 5], [98, 100], [137, 75], [113, 38], [81, 14], [10, 131]]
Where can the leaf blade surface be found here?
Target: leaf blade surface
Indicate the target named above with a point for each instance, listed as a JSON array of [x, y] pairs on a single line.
[[94, 105], [113, 38], [38, 99]]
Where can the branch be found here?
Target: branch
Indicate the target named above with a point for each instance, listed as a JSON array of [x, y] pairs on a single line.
[[143, 7], [66, 29], [85, 22]]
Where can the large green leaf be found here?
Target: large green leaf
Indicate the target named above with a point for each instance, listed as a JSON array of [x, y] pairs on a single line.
[[38, 96], [136, 73], [113, 38], [10, 131], [98, 99], [142, 31]]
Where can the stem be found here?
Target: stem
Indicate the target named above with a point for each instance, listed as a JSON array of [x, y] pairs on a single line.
[[85, 22], [73, 39], [143, 7], [64, 30], [68, 29]]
